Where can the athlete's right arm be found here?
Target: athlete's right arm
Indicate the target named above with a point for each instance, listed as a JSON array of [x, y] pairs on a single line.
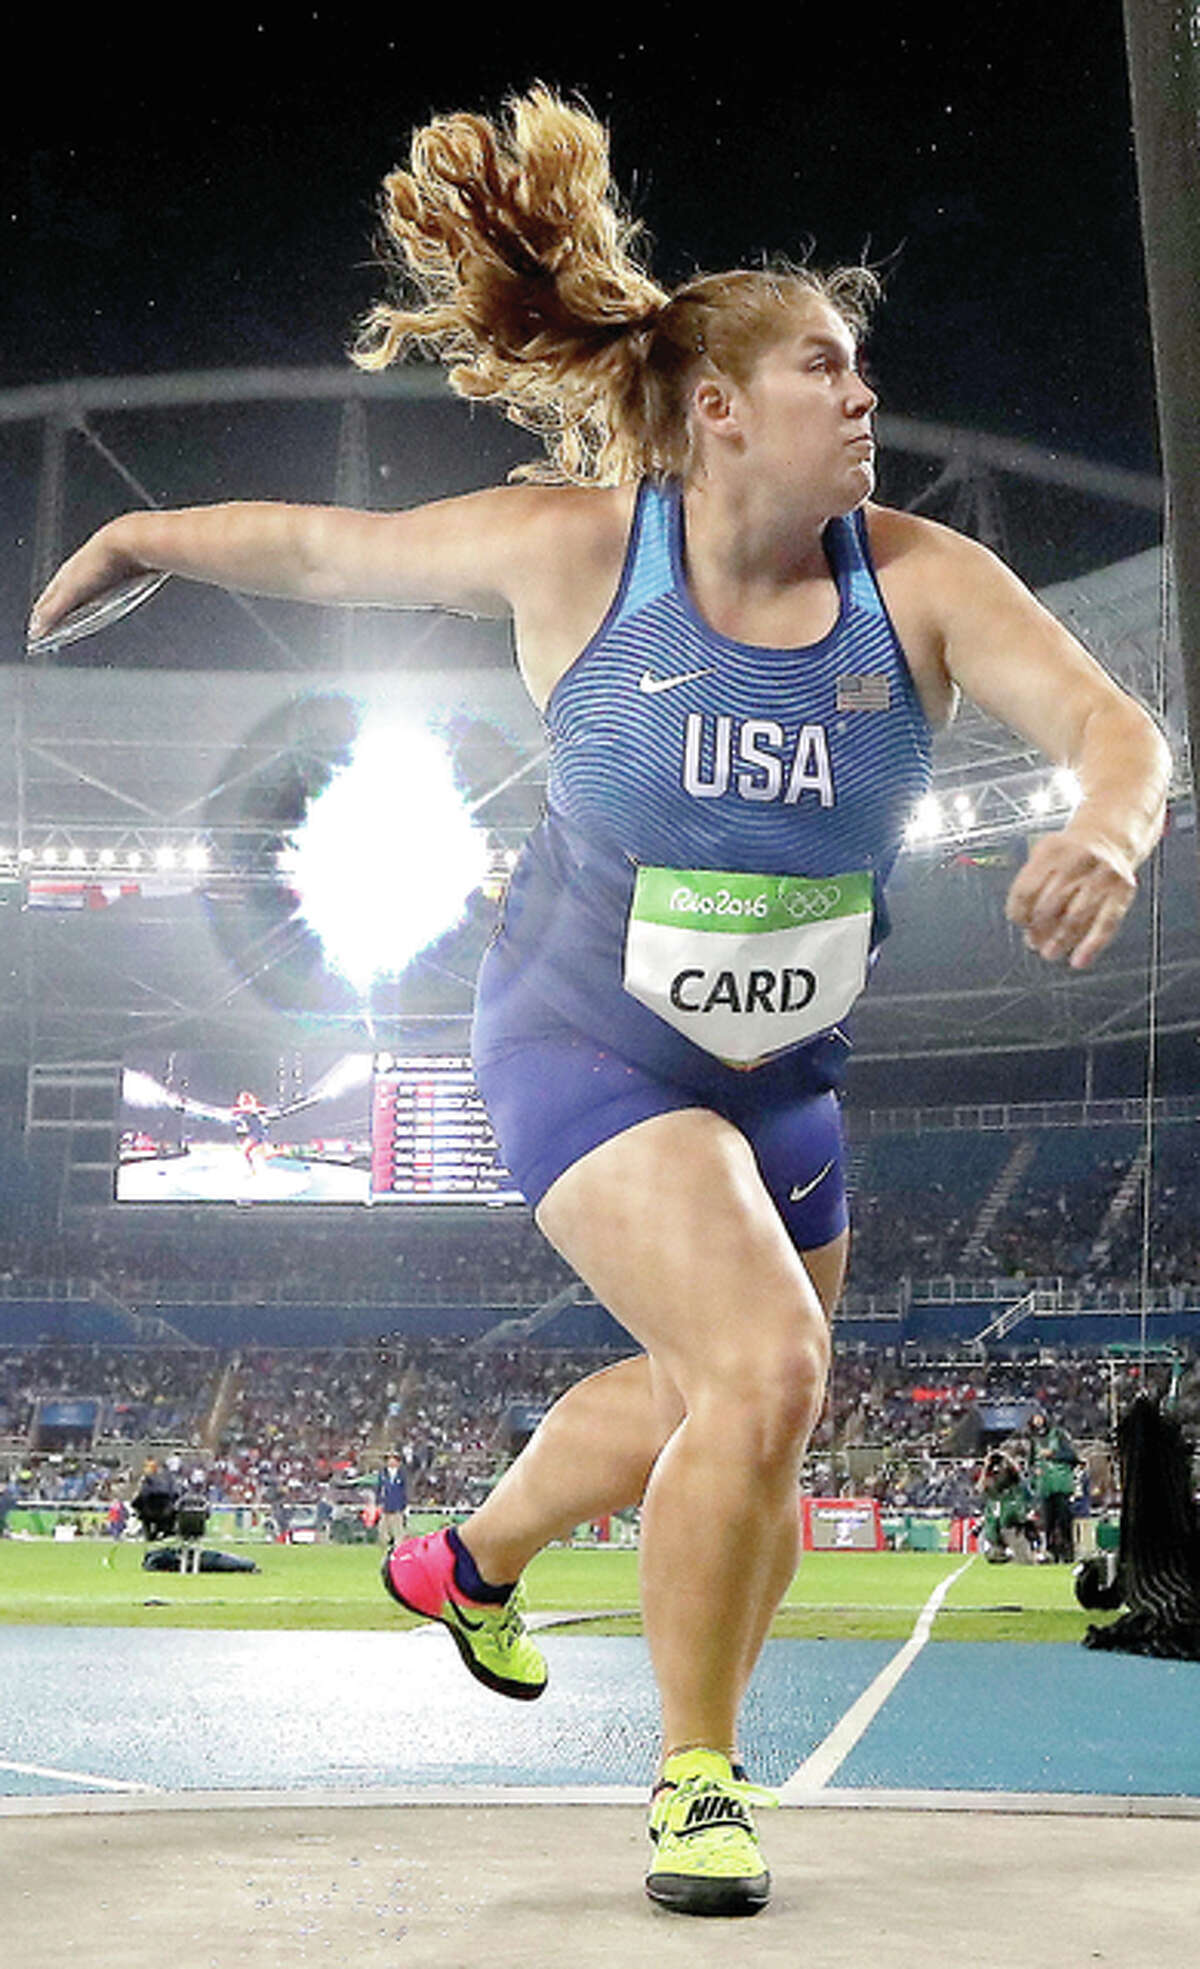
[[467, 554]]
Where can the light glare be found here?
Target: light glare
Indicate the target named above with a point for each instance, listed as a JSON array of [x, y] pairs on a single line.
[[926, 821], [386, 857]]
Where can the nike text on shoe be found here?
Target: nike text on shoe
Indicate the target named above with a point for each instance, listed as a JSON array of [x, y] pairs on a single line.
[[706, 1852], [419, 1574]]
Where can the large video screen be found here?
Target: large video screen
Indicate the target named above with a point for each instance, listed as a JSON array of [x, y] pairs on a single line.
[[306, 1126], [290, 1127], [431, 1140]]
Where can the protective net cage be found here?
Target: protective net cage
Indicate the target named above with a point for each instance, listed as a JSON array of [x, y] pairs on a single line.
[[1157, 1574]]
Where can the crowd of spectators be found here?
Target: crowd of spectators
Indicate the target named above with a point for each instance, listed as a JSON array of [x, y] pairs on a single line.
[[273, 1429], [922, 1238], [1056, 1225], [382, 1257], [274, 1432], [914, 1215], [141, 1392], [1173, 1247], [878, 1397], [277, 1428]]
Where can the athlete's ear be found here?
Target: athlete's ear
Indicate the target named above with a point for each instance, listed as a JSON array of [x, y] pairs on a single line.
[[714, 406]]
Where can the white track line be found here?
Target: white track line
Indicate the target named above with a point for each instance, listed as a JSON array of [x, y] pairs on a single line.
[[828, 1757], [77, 1777], [1019, 1804]]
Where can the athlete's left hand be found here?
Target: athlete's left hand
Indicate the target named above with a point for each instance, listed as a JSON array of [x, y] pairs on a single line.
[[1072, 896]]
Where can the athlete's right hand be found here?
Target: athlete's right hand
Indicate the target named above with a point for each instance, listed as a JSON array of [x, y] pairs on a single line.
[[102, 563]]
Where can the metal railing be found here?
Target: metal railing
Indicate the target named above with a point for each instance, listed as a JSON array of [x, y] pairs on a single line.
[[1012, 1116]]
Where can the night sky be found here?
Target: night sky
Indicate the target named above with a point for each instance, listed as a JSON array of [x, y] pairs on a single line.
[[192, 192]]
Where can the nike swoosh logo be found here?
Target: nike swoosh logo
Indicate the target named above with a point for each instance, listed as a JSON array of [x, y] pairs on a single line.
[[652, 685], [798, 1195]]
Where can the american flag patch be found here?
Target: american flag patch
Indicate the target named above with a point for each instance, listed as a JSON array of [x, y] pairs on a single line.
[[869, 693]]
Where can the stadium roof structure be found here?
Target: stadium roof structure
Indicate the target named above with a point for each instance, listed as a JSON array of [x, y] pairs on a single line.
[[151, 779]]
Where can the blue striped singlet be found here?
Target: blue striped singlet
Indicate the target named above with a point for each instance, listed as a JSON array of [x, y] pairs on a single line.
[[673, 746]]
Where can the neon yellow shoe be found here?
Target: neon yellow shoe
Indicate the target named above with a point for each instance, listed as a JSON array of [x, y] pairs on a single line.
[[493, 1643], [706, 1858]]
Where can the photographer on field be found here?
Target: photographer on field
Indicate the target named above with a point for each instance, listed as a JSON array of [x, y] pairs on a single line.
[[1007, 1511], [156, 1501], [1053, 1465]]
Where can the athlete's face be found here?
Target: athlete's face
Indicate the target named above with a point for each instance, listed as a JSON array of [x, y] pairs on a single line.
[[805, 413]]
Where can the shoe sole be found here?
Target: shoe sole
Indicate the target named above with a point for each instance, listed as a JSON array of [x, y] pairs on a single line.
[[499, 1684], [686, 1893]]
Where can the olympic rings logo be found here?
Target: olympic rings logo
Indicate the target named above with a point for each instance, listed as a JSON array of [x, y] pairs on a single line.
[[806, 905]]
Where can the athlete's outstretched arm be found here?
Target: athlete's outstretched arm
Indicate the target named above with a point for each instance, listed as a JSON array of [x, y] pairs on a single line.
[[1014, 659], [454, 553]]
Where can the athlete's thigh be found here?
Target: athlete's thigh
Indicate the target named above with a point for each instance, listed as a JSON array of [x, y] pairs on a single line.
[[826, 1267], [800, 1148], [635, 1397], [799, 1145], [671, 1225]]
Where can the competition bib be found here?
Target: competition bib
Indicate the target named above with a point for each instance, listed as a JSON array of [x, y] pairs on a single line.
[[747, 965]]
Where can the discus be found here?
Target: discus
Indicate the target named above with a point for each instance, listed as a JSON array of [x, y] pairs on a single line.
[[99, 614]]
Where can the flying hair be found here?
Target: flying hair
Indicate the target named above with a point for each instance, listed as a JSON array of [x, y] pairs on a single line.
[[514, 263]]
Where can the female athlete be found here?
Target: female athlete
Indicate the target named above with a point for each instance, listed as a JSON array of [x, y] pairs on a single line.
[[740, 658]]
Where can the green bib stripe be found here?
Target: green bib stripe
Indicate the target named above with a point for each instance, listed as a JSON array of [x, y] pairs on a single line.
[[734, 903]]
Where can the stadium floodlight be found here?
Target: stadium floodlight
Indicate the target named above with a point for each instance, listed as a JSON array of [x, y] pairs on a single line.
[[1067, 790], [387, 855], [926, 821]]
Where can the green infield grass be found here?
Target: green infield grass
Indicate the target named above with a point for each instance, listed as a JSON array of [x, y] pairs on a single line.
[[834, 1596]]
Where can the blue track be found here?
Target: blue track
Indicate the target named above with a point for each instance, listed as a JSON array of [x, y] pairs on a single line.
[[125, 1710]]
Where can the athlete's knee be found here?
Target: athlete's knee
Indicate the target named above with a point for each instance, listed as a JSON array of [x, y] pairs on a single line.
[[793, 1392], [766, 1404], [614, 1414]]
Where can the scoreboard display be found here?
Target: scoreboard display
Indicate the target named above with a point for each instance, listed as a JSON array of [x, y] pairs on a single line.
[[842, 1524], [431, 1140]]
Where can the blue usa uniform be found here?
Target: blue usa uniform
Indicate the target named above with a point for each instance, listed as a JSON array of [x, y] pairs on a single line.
[[676, 749]]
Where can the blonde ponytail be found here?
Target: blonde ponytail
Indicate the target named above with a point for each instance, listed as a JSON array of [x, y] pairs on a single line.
[[515, 266]]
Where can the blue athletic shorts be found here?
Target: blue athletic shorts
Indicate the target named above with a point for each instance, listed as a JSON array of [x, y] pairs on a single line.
[[553, 1094]]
